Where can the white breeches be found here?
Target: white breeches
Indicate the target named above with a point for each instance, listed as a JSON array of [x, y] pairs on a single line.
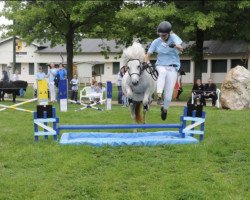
[[166, 82], [52, 90]]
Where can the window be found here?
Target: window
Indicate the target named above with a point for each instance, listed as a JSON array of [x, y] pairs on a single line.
[[17, 67], [44, 66], [204, 66], [31, 68], [219, 66], [98, 69], [4, 67], [116, 67], [185, 66], [235, 62]]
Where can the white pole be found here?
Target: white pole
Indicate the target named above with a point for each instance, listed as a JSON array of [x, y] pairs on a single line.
[[19, 104]]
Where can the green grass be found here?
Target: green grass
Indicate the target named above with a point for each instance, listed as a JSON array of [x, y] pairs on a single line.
[[217, 168]]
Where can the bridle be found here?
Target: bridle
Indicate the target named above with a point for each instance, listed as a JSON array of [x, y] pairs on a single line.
[[144, 66], [140, 67]]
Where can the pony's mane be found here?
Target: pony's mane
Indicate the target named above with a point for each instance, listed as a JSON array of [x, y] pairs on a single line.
[[136, 51]]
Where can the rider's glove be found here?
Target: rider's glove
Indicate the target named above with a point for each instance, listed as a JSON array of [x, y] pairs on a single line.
[[172, 45], [146, 65], [149, 64]]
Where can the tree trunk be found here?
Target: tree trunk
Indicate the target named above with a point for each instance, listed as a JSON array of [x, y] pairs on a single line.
[[70, 55], [198, 61], [198, 57]]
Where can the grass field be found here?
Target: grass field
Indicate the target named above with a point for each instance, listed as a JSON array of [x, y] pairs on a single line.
[[217, 168]]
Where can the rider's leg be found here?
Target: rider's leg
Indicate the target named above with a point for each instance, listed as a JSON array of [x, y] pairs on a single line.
[[160, 81], [169, 88]]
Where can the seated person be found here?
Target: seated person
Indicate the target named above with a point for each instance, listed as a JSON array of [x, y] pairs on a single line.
[[210, 92], [197, 90], [97, 91], [197, 93]]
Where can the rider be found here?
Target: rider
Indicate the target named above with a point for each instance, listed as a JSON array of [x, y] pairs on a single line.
[[167, 47]]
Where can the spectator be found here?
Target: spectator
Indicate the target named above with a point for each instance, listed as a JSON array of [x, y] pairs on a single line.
[[100, 88], [16, 78], [210, 92], [178, 85], [5, 76], [119, 84], [62, 72], [94, 86], [39, 76], [197, 93], [74, 88], [52, 74], [97, 90]]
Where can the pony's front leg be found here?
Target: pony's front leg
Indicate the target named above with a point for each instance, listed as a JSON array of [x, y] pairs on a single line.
[[129, 95], [144, 115], [146, 100]]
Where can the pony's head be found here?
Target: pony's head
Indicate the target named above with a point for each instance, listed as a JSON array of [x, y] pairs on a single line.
[[133, 58]]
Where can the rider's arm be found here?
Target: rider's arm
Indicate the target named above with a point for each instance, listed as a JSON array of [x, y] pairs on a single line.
[[179, 47], [147, 58]]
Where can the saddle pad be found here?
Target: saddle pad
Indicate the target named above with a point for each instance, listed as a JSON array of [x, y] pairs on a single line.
[[125, 139]]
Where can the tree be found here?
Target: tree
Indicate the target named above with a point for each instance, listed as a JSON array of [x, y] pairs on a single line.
[[205, 20], [60, 22], [193, 20]]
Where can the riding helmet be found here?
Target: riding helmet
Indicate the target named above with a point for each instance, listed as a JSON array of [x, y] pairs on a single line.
[[164, 27]]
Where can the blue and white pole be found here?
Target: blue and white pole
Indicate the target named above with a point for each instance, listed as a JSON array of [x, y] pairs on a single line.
[[63, 95], [109, 95]]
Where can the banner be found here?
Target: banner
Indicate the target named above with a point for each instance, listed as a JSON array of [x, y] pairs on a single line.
[[63, 95], [109, 95], [42, 92]]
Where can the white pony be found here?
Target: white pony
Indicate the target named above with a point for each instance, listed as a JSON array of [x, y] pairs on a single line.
[[137, 84]]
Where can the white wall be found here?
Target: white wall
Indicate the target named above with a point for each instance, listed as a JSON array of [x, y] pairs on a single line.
[[85, 70]]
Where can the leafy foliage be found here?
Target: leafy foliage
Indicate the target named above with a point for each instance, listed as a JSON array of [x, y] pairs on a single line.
[[59, 22]]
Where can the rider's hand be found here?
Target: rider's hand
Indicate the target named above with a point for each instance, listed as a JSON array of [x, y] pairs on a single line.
[[172, 45], [146, 64], [149, 64]]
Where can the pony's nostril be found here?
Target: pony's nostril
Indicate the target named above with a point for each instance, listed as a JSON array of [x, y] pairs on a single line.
[[135, 83]]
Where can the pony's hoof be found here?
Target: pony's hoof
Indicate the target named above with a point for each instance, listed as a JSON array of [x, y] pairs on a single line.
[[130, 101], [145, 107]]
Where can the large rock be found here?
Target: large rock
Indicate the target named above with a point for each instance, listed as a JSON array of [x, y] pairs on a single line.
[[235, 90]]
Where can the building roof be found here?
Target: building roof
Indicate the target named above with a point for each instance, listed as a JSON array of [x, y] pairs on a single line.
[[225, 47], [86, 46], [35, 43], [211, 47], [214, 47], [217, 47]]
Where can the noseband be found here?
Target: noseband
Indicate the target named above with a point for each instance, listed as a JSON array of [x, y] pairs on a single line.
[[140, 66]]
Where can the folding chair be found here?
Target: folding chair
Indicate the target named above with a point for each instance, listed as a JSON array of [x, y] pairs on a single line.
[[93, 98]]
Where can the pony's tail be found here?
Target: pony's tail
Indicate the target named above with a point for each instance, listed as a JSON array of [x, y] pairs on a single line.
[[138, 117]]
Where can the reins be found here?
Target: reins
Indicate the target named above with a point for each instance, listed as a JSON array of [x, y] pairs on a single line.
[[148, 67]]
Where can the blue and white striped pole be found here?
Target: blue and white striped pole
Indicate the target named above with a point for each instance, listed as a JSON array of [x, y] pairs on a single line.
[[109, 95]]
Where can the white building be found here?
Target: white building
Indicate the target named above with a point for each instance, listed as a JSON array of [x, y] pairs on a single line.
[[219, 57]]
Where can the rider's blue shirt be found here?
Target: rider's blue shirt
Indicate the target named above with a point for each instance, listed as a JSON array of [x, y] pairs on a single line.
[[166, 55]]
